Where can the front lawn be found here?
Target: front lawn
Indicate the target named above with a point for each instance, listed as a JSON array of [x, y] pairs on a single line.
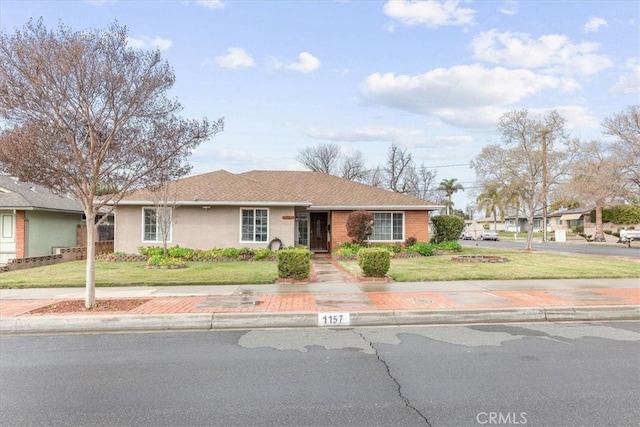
[[72, 274], [521, 265]]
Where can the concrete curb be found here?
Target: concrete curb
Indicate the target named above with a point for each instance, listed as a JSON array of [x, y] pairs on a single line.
[[220, 321]]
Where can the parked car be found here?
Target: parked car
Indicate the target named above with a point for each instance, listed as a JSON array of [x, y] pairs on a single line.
[[466, 235], [489, 235]]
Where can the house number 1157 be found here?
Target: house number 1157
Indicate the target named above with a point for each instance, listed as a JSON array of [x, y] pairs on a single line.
[[333, 319]]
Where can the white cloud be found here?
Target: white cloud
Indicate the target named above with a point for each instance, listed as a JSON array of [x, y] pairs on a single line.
[[145, 42], [465, 95], [363, 134], [550, 53], [100, 2], [432, 13], [509, 8], [236, 58], [307, 63], [628, 83], [460, 86], [594, 23], [211, 4]]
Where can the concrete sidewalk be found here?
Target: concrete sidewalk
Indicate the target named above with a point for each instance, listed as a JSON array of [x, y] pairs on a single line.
[[328, 303]]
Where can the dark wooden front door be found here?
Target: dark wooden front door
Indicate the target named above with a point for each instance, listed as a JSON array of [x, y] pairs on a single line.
[[319, 231]]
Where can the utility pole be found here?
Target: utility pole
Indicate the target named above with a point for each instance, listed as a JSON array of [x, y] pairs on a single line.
[[545, 131]]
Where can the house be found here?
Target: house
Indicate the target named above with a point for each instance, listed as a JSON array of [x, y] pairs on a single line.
[[35, 221], [565, 219], [261, 209]]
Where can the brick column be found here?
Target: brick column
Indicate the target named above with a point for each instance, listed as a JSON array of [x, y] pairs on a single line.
[[21, 234]]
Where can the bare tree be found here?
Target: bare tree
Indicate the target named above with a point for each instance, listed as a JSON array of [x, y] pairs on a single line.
[[80, 110], [421, 182], [597, 176], [626, 127], [376, 177], [321, 158], [352, 167], [399, 161], [535, 154], [164, 197]]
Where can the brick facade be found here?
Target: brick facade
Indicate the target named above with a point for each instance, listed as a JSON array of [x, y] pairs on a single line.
[[21, 234], [416, 224]]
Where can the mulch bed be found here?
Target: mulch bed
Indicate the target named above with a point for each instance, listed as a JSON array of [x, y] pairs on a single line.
[[77, 306]]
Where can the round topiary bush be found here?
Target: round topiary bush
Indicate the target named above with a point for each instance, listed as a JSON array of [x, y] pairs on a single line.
[[374, 262]]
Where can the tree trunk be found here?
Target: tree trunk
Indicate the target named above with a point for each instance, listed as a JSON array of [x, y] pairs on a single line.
[[599, 236], [529, 245], [90, 294]]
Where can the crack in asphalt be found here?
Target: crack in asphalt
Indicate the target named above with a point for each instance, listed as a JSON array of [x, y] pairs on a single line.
[[404, 399]]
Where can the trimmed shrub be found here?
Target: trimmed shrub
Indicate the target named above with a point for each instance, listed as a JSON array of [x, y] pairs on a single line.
[[294, 263], [178, 252], [260, 254], [410, 241], [424, 249], [446, 228], [374, 262], [231, 253], [622, 214]]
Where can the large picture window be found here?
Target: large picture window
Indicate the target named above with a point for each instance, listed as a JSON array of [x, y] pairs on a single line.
[[388, 226], [156, 223], [255, 225]]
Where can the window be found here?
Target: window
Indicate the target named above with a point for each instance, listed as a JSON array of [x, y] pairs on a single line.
[[388, 226], [156, 223], [255, 225]]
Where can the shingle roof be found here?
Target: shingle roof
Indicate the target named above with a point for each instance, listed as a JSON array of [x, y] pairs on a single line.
[[324, 190], [219, 187], [299, 188], [15, 194]]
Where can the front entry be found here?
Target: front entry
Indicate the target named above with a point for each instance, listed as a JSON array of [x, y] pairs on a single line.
[[7, 236], [319, 231]]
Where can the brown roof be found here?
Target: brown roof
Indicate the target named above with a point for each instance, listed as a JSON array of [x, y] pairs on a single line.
[[325, 190], [221, 187], [299, 188]]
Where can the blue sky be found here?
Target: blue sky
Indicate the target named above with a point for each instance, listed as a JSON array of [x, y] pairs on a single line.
[[431, 76]]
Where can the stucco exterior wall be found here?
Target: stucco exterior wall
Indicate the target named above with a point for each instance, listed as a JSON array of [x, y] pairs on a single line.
[[47, 230], [196, 228]]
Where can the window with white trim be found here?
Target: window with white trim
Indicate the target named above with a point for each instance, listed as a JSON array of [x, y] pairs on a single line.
[[388, 226], [155, 222], [255, 225]]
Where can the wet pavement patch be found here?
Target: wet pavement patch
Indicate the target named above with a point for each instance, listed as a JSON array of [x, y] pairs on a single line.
[[475, 298], [578, 295], [343, 301], [229, 302]]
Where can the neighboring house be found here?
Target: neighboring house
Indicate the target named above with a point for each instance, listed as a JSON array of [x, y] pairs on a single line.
[[565, 219], [520, 223], [34, 221], [260, 209], [489, 224]]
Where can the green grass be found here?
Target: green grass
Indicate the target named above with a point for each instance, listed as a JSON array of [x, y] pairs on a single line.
[[72, 274], [521, 265]]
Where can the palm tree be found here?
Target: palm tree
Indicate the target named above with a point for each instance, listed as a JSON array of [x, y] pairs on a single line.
[[491, 201], [449, 187]]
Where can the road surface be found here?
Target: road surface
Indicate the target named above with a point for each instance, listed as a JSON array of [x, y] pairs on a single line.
[[513, 374]]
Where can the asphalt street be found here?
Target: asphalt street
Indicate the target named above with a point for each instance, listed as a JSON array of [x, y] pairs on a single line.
[[569, 374]]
